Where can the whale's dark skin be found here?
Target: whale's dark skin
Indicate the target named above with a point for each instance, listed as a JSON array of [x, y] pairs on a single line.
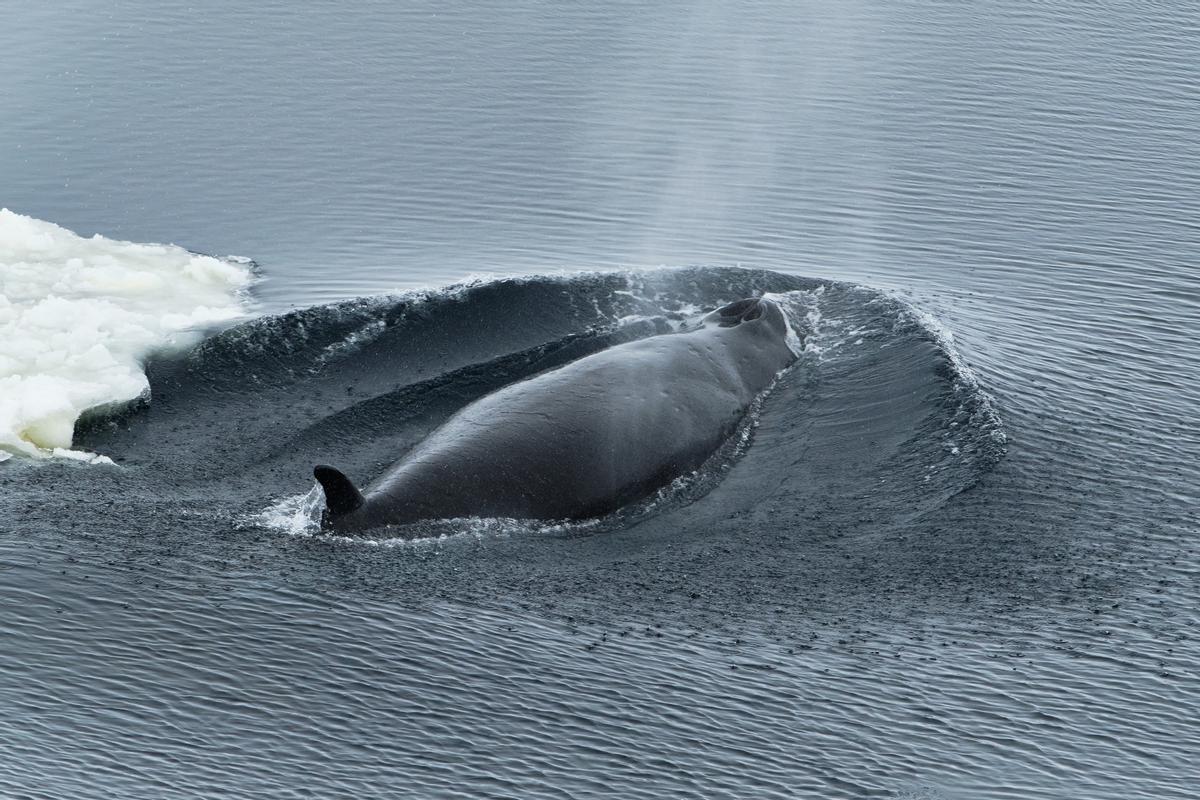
[[584, 439]]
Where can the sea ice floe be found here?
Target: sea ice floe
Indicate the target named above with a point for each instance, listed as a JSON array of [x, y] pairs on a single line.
[[79, 315]]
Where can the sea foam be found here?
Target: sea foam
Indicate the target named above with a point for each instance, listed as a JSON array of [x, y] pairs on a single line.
[[78, 317]]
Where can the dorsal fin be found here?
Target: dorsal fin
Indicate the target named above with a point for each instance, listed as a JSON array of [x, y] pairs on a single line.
[[341, 497]]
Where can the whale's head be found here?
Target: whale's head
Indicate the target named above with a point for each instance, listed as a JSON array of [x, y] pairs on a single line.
[[756, 312]]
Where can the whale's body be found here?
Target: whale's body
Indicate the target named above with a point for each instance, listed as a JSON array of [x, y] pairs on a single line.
[[584, 439]]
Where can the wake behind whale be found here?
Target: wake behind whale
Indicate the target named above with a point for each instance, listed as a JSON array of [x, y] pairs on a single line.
[[878, 416]]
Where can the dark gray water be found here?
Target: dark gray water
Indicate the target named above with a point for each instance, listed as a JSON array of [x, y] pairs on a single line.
[[957, 558]]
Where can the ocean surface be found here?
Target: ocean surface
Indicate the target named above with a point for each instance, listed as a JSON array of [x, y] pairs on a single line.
[[952, 553]]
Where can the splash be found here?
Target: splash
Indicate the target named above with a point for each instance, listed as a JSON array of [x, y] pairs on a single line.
[[78, 317]]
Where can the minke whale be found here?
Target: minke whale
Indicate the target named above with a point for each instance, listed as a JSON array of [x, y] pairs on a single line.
[[582, 440]]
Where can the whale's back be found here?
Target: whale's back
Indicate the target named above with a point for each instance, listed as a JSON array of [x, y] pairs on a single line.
[[586, 438]]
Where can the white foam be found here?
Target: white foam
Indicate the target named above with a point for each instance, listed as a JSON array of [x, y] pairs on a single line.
[[801, 304], [78, 316], [299, 514]]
